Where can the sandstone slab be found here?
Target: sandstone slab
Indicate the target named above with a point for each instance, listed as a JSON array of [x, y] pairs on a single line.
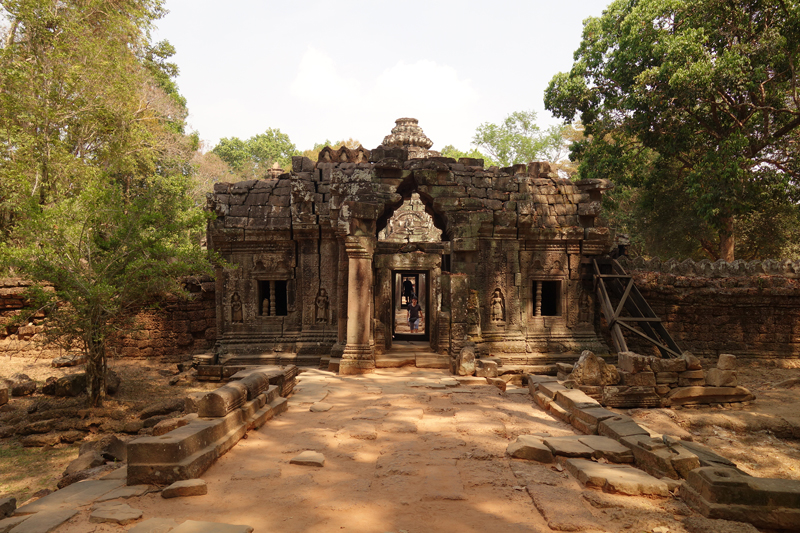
[[43, 522], [567, 446], [623, 479], [7, 524], [309, 458], [531, 448], [607, 448], [124, 493], [620, 426], [703, 395], [115, 513], [320, 407], [186, 487], [75, 495]]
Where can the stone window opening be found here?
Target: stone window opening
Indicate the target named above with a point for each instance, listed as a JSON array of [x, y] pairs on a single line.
[[273, 298], [547, 298]]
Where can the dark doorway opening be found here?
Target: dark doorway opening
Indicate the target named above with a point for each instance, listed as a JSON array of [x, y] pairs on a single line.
[[407, 286]]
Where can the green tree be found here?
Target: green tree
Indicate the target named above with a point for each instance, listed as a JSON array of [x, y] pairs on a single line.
[[253, 157], [455, 153], [697, 96], [94, 168], [518, 139]]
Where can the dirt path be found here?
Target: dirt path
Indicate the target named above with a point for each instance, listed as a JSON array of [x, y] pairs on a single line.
[[405, 451]]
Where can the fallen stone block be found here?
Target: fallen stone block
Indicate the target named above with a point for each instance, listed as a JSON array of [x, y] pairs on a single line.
[[222, 401], [623, 479], [320, 407], [90, 459], [497, 382], [542, 400], [23, 388], [703, 395], [633, 362], [640, 379], [620, 426], [115, 513], [308, 458], [721, 378], [725, 493], [606, 448], [668, 364], [256, 383], [186, 487], [162, 408], [593, 415], [624, 396], [707, 456], [108, 446], [3, 395], [531, 448], [485, 368], [692, 362], [726, 361]]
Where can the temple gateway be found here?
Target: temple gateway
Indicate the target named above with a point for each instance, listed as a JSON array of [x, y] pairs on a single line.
[[321, 263]]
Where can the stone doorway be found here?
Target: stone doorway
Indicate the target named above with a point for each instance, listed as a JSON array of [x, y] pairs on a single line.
[[408, 285]]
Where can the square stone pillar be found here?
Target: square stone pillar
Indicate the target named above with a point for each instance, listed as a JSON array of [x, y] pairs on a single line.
[[359, 356]]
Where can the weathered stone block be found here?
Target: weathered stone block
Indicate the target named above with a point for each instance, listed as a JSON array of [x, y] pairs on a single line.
[[465, 363], [222, 401], [593, 370], [633, 362], [3, 395], [550, 388], [531, 448], [640, 379], [620, 426], [186, 487], [572, 399], [609, 449], [485, 368], [725, 493], [623, 479], [567, 446], [716, 377], [726, 361], [666, 378], [668, 364], [701, 395]]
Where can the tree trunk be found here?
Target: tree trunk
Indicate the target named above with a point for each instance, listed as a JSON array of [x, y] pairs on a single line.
[[96, 372], [726, 240]]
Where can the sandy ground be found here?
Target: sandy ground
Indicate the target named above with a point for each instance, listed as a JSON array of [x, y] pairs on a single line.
[[401, 456]]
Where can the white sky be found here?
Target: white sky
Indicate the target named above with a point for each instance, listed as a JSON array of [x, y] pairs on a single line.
[[321, 69]]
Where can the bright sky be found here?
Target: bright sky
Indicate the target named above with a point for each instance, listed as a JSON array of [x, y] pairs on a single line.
[[321, 69]]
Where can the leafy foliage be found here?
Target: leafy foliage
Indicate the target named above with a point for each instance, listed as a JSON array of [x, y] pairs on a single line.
[[699, 93], [95, 168], [518, 139], [253, 157]]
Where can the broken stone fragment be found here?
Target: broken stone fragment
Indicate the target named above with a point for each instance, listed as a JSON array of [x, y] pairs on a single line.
[[90, 459], [716, 377], [466, 361], [309, 458], [692, 362], [3, 395], [593, 370], [7, 506], [726, 361], [497, 382], [186, 487]]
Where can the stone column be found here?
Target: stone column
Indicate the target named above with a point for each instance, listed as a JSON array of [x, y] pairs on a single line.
[[358, 356]]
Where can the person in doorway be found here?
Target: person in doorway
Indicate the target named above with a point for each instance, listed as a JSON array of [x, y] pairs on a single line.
[[414, 315], [408, 290]]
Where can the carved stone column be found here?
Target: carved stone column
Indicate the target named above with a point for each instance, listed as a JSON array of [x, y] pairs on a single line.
[[341, 309], [358, 356]]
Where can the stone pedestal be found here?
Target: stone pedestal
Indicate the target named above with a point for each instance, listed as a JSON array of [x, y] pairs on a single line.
[[358, 356]]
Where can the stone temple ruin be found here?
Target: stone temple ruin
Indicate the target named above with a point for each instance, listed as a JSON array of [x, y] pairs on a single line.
[[315, 259]]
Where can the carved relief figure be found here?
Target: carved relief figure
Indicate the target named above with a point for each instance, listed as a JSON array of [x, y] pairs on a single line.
[[498, 306], [236, 308], [321, 310]]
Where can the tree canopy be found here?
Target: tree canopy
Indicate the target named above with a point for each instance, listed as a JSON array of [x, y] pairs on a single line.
[[253, 157], [518, 139], [695, 96], [95, 169]]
